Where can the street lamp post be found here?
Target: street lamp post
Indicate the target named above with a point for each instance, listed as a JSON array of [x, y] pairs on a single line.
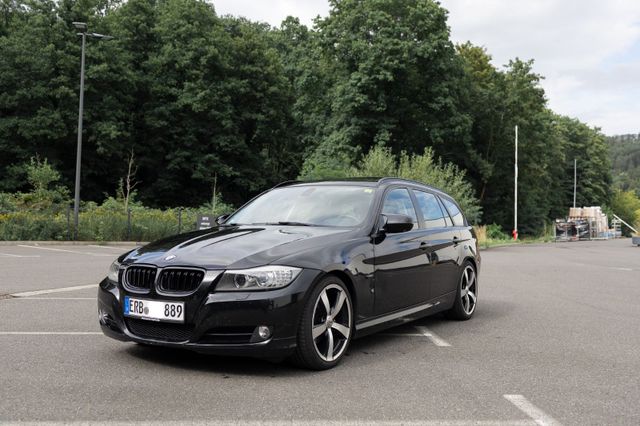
[[82, 31], [515, 190]]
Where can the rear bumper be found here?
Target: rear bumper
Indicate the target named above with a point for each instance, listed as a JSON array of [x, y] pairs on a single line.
[[215, 323]]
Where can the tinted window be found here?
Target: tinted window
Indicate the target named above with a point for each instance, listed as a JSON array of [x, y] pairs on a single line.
[[454, 211], [430, 208], [325, 205], [447, 218], [398, 201]]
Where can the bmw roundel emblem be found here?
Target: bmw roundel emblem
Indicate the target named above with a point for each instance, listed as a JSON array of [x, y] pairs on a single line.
[[170, 257]]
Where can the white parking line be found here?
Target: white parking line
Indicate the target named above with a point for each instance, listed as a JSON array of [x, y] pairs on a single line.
[[310, 423], [122, 249], [53, 290], [402, 334], [19, 255], [49, 333], [65, 251], [437, 340], [52, 298], [540, 417]]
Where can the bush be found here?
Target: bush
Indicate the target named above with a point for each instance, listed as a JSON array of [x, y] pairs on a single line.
[[425, 168], [106, 222], [495, 232], [25, 225], [44, 214], [7, 203]]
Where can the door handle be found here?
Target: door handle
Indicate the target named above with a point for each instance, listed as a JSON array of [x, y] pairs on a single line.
[[456, 240], [424, 245]]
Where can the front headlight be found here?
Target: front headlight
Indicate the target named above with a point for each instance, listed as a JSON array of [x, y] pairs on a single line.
[[114, 269], [262, 278]]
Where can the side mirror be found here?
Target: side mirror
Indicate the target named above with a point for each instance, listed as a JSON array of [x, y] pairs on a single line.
[[395, 223], [220, 219]]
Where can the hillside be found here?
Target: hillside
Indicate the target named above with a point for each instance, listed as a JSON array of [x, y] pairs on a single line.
[[625, 161]]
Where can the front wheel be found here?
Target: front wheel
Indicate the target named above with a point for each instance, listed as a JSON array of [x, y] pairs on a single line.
[[326, 325], [466, 294]]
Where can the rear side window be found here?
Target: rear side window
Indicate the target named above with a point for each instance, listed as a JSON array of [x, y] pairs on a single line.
[[398, 201], [454, 211], [430, 209], [447, 218]]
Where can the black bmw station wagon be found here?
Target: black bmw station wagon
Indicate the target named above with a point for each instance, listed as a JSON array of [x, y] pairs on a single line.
[[298, 271]]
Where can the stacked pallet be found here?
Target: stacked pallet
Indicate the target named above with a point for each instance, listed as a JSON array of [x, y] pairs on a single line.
[[598, 222]]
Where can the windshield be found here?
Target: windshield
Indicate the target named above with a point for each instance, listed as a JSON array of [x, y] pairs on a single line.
[[319, 205]]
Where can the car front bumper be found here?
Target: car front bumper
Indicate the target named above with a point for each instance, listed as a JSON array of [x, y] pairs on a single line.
[[223, 323]]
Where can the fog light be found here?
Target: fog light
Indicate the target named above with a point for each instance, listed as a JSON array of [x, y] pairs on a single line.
[[264, 332], [102, 317]]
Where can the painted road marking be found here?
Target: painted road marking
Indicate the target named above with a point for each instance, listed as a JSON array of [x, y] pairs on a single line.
[[423, 332], [540, 417], [314, 423], [19, 255], [53, 290], [52, 298], [402, 334], [109, 248], [65, 251], [49, 333], [437, 340]]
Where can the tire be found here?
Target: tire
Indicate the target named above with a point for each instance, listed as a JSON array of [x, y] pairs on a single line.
[[333, 328], [466, 294]]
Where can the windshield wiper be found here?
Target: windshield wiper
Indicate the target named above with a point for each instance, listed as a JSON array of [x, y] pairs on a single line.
[[287, 223]]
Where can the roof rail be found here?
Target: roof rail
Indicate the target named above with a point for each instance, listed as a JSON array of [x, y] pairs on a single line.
[[285, 183], [385, 179]]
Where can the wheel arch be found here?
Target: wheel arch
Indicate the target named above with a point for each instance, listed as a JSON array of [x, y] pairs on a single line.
[[473, 261], [346, 279]]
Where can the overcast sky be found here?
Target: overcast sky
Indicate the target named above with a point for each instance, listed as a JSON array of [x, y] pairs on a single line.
[[588, 50]]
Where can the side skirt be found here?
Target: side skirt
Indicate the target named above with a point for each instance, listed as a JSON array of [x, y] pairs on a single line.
[[403, 316]]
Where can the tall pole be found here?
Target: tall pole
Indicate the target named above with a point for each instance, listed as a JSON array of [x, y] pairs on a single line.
[[515, 188], [76, 202], [575, 180]]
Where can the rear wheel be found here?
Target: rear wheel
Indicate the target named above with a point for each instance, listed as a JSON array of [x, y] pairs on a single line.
[[466, 294], [326, 325]]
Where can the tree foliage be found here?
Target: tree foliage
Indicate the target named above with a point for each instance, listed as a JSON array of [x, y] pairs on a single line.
[[424, 168], [196, 97], [625, 156], [626, 205]]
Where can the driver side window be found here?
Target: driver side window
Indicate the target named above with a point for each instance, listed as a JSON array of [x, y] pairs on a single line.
[[398, 201]]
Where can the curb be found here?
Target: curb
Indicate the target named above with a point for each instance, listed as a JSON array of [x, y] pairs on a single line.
[[75, 243]]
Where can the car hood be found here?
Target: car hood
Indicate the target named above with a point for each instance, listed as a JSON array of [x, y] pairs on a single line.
[[235, 247]]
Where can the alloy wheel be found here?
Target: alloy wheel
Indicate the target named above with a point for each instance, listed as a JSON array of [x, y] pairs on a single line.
[[468, 290], [331, 322]]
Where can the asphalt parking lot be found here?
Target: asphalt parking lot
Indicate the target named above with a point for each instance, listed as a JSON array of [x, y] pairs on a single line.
[[555, 340]]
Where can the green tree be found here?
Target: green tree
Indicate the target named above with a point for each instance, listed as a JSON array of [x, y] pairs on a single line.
[[626, 205], [588, 146], [395, 74], [624, 152], [425, 168], [194, 96]]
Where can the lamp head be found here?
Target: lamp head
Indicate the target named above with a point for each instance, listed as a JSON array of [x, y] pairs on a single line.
[[80, 26]]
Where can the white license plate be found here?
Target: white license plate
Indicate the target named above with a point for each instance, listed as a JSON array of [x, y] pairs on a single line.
[[154, 310]]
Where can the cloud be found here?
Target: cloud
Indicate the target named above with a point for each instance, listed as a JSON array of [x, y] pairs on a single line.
[[587, 50]]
